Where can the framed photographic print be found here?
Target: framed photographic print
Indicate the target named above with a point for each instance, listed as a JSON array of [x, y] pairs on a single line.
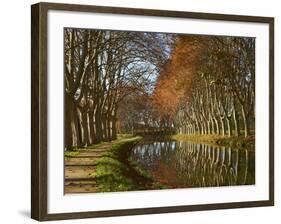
[[138, 111]]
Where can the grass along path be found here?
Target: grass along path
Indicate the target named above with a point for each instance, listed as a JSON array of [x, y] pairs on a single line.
[[218, 140], [105, 167]]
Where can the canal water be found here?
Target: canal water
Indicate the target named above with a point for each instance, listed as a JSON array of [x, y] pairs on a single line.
[[184, 164]]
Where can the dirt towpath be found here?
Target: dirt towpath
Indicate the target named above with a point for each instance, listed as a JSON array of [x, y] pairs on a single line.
[[80, 164]]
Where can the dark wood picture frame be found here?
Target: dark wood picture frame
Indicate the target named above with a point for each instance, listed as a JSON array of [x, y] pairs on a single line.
[[39, 106]]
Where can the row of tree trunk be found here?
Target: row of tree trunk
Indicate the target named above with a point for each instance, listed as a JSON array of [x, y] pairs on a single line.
[[222, 99], [84, 127], [101, 69]]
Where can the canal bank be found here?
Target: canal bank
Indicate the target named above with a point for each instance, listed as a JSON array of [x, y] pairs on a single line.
[[106, 167], [114, 172]]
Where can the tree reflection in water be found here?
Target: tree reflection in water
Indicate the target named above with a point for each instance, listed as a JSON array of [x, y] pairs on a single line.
[[196, 165]]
